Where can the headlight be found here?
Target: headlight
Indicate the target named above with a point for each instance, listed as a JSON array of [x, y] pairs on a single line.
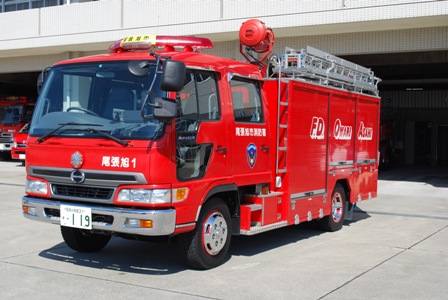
[[36, 187], [144, 196]]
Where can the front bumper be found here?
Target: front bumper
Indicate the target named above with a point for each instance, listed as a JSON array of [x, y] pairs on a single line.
[[112, 219]]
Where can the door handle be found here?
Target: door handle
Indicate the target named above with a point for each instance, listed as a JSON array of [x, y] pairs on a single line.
[[221, 149], [264, 148]]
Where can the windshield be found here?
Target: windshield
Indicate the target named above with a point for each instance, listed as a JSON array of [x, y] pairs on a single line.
[[103, 95], [11, 114]]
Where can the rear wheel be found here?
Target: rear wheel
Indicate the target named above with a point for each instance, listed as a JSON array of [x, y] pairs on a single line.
[[83, 240], [333, 222], [206, 247]]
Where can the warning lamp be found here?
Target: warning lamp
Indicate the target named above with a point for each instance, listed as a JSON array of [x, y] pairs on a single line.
[[169, 43]]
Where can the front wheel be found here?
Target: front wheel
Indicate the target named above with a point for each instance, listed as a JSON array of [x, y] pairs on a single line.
[[206, 247], [82, 240], [333, 222]]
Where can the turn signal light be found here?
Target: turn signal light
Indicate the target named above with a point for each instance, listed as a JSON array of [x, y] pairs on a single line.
[[146, 223]]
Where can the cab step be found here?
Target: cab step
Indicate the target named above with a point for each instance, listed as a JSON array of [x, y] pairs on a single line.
[[260, 213], [259, 229]]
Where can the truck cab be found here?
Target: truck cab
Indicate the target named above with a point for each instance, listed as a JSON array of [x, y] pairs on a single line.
[[115, 154]]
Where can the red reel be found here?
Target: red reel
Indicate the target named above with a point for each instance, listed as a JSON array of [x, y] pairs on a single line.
[[255, 34]]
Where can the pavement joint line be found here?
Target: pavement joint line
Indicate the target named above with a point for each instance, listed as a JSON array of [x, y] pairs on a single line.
[[403, 215], [3, 259], [381, 263], [424, 239], [363, 273], [12, 184], [113, 281]]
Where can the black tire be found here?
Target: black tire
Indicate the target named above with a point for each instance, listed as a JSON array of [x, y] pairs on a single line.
[[333, 222], [83, 240], [202, 248]]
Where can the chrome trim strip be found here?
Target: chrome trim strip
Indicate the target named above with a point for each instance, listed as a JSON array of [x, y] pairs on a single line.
[[185, 225], [93, 177], [303, 195]]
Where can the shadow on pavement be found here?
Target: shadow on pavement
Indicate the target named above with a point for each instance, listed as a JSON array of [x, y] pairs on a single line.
[[123, 256], [139, 257]]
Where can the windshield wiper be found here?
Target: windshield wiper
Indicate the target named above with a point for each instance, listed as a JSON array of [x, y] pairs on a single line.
[[109, 136], [50, 133]]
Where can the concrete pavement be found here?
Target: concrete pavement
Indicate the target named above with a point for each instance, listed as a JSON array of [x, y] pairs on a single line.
[[395, 248]]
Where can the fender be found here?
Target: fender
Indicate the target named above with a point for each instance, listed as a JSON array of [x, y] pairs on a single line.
[[232, 199]]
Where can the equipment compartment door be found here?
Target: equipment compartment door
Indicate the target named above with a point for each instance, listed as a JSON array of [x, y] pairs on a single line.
[[307, 140], [341, 131], [367, 116]]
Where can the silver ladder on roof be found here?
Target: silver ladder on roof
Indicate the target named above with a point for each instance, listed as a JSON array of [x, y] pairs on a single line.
[[317, 66]]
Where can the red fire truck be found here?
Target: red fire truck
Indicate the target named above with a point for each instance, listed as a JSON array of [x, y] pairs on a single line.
[[157, 139], [18, 149], [15, 113]]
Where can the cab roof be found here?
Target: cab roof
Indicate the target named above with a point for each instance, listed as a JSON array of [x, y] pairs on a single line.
[[191, 59]]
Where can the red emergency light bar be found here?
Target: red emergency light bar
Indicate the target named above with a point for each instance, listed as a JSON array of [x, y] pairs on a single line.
[[13, 98], [146, 42]]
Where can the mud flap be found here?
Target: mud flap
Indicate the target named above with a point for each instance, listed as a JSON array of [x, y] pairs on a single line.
[[349, 211]]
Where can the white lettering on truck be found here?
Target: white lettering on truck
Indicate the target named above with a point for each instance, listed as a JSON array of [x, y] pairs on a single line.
[[365, 133], [118, 162], [317, 128], [342, 132]]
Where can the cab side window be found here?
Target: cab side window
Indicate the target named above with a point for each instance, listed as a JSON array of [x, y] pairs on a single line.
[[199, 97], [198, 102], [246, 100]]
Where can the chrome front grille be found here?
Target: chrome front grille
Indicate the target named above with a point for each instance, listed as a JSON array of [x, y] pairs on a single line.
[[87, 192], [6, 138]]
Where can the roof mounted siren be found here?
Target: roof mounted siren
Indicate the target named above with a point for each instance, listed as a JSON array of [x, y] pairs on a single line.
[[256, 37]]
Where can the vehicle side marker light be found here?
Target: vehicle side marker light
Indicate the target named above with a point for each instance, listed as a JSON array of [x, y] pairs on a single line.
[[180, 194]]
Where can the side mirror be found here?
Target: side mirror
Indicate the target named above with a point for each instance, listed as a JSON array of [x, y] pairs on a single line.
[[41, 78], [165, 109], [173, 77]]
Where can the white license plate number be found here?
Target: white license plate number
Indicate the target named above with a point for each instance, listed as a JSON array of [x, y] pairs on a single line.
[[21, 156], [75, 216]]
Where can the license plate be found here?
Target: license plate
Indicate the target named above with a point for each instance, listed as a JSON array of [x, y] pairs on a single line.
[[21, 156], [75, 216]]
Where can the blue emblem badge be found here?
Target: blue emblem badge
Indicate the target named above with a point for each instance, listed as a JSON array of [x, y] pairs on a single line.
[[251, 152]]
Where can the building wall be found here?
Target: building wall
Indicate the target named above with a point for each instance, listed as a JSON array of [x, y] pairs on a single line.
[[43, 36]]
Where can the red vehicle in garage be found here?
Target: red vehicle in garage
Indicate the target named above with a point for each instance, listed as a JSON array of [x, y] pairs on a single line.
[[18, 149], [157, 139], [15, 113]]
